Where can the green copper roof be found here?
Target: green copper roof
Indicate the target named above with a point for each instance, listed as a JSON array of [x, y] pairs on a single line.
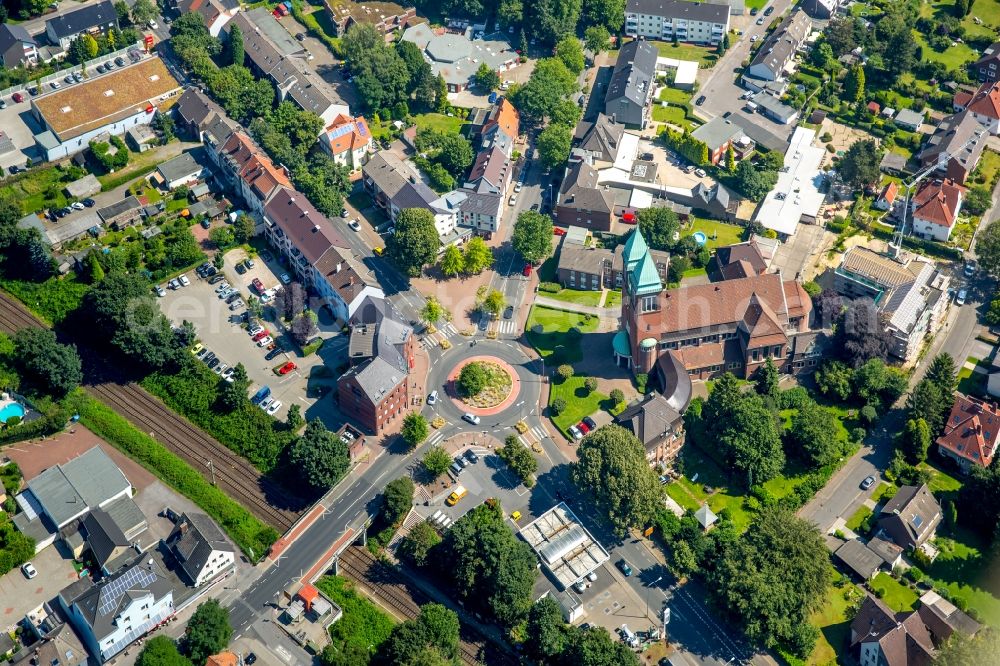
[[635, 248], [621, 345], [645, 278]]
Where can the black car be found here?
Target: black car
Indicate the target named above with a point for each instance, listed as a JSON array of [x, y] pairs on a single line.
[[471, 455], [273, 353], [700, 101], [249, 659], [120, 61], [89, 203], [753, 12], [62, 212], [217, 279], [214, 362], [508, 312], [768, 11], [241, 269], [301, 36], [210, 271], [589, 421], [233, 297]]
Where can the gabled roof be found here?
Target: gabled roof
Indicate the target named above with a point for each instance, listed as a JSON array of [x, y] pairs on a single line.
[[960, 136], [634, 73], [104, 537], [859, 558], [681, 9], [491, 165], [910, 516], [990, 54], [11, 35], [254, 167], [386, 366], [717, 132], [196, 108], [580, 191], [503, 118], [781, 45], [938, 202], [395, 178], [889, 192], [346, 134], [986, 101], [309, 230], [972, 430], [603, 137], [739, 260], [651, 419], [193, 541], [83, 19]]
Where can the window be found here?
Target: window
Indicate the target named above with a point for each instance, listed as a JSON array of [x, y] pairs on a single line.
[[756, 355], [648, 303], [777, 351]]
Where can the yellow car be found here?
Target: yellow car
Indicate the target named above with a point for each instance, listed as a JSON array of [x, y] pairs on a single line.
[[379, 251], [197, 348], [516, 516]]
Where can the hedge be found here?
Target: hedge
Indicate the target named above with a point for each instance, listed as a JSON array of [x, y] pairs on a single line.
[[51, 422], [550, 287], [312, 347], [251, 535]]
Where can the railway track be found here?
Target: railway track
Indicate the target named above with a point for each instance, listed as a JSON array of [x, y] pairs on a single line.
[[232, 473], [391, 588]]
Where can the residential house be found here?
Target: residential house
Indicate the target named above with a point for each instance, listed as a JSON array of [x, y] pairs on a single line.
[[859, 558], [581, 267], [491, 171], [482, 211], [348, 141], [909, 119], [983, 105], [501, 127], [987, 68], [93, 19], [447, 210], [200, 548], [111, 615], [456, 57], [195, 112], [185, 169], [374, 389], [17, 47], [880, 637], [697, 22], [318, 254], [716, 199], [598, 141], [971, 432], [935, 208], [106, 105], [893, 164], [909, 291], [822, 10], [393, 185], [911, 517], [734, 325], [247, 169], [718, 134], [956, 146], [122, 214], [887, 197], [385, 17], [733, 262], [60, 646], [107, 544], [217, 13], [630, 90], [944, 619], [582, 202], [779, 48], [657, 423], [223, 659]]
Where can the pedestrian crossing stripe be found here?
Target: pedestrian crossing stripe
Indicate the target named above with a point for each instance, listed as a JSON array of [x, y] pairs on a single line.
[[539, 432], [435, 438]]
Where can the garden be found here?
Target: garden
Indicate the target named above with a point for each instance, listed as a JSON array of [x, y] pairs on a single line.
[[556, 334], [484, 384]]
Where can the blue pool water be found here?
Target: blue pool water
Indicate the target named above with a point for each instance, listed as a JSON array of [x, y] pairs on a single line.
[[700, 237], [9, 410]]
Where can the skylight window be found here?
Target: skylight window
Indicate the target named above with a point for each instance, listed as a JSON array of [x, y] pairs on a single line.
[[109, 93], [154, 77], [66, 109], [917, 521]]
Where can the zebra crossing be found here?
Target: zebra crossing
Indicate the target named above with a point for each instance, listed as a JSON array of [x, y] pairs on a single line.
[[507, 327], [443, 333], [435, 438]]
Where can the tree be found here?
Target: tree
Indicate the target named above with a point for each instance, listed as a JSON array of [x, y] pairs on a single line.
[[532, 236], [433, 311], [978, 200], [554, 143], [472, 378], [551, 20], [612, 466], [822, 56], [730, 159], [477, 256], [304, 327], [90, 45], [487, 77], [494, 303], [415, 429], [208, 631], [943, 372], [557, 406], [854, 85], [596, 39], [235, 45], [607, 14], [595, 647], [751, 441], [550, 82], [143, 11], [490, 568], [294, 419], [988, 248], [546, 632], [773, 577], [417, 545], [658, 226], [814, 432], [397, 499], [767, 379], [161, 651], [430, 639], [452, 262], [961, 8], [879, 385], [436, 461], [981, 650], [243, 228], [928, 403], [617, 396], [519, 458], [860, 165], [565, 371], [416, 242], [570, 51], [233, 395], [862, 334], [381, 75], [590, 383], [753, 182], [320, 456], [916, 440], [683, 561], [95, 273]]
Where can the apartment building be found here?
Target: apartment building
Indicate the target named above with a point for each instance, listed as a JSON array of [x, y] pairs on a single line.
[[696, 22]]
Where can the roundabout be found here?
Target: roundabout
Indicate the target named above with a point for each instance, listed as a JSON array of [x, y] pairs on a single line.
[[500, 385]]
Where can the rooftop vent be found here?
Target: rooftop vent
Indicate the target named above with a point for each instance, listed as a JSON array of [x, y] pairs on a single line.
[[109, 93]]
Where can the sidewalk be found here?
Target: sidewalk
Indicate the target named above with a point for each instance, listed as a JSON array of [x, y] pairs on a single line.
[[613, 313]]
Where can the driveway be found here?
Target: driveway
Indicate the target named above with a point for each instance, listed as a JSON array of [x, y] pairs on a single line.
[[794, 255], [18, 595]]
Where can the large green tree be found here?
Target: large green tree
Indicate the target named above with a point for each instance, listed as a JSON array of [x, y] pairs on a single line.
[[596, 38], [943, 372], [607, 14], [397, 499], [477, 256], [570, 51], [612, 466], [550, 82], [554, 144], [814, 432], [161, 651], [988, 248], [429, 640], [381, 76], [208, 631], [320, 456], [46, 364], [546, 631], [414, 429], [551, 20], [773, 578], [415, 243], [594, 646], [532, 236], [658, 226], [416, 546], [754, 182], [929, 404], [981, 650], [916, 440], [859, 167]]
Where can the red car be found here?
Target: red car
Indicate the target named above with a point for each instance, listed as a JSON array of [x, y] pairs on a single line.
[[286, 368], [584, 428], [260, 336], [558, 231], [258, 285], [18, 97], [527, 270]]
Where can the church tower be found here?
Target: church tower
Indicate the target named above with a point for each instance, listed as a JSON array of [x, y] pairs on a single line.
[[640, 303]]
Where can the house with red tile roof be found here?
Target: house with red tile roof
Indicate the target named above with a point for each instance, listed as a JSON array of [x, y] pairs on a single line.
[[971, 433], [249, 170], [502, 127], [936, 207], [887, 197], [348, 141], [984, 105]]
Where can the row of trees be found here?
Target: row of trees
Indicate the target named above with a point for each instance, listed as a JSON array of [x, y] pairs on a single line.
[[473, 259]]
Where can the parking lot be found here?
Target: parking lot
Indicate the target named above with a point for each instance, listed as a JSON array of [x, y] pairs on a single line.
[[488, 477]]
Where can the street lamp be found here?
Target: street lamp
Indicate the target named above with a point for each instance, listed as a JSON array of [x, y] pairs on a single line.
[[647, 594]]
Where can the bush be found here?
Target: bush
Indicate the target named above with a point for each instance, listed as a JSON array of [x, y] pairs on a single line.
[[251, 535], [312, 347], [794, 398], [472, 379], [868, 415], [641, 380], [617, 396], [550, 287], [859, 434], [565, 371], [558, 406], [590, 383], [520, 460]]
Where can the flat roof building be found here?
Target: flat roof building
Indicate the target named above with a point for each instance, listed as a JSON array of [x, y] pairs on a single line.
[[564, 546], [797, 196], [456, 57]]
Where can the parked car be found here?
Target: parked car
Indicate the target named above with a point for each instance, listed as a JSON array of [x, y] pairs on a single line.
[[77, 77], [55, 85], [379, 251], [120, 61], [237, 304], [583, 427], [173, 284], [513, 199], [260, 335], [471, 418], [228, 375], [472, 456], [461, 462], [961, 296], [273, 407], [624, 567], [286, 368], [271, 355], [258, 285], [575, 432], [217, 278], [241, 269], [590, 422], [868, 482], [700, 100], [432, 398], [518, 185], [152, 24], [254, 330], [285, 279], [160, 291], [768, 11], [265, 403], [526, 271], [508, 312], [265, 341], [558, 231], [69, 78], [17, 97], [353, 224], [28, 569], [184, 280], [249, 263], [970, 268]]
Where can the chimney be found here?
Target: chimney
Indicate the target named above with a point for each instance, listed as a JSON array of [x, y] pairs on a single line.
[[979, 428]]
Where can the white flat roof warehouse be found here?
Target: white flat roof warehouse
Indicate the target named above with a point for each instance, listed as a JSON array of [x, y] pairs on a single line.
[[797, 193], [563, 545]]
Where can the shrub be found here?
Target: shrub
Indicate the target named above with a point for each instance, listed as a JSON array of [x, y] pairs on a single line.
[[641, 380], [617, 396], [794, 398], [558, 406], [590, 383], [550, 287], [859, 434], [312, 347], [472, 379], [868, 414], [565, 371]]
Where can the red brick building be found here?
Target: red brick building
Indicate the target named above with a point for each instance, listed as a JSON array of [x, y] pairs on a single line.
[[971, 433]]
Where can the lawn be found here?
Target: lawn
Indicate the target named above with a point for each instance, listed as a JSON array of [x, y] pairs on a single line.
[[988, 168], [953, 57], [971, 383], [579, 401], [675, 96], [614, 299], [38, 189], [834, 623], [439, 122], [896, 596], [940, 482], [854, 522], [578, 296], [701, 471], [674, 115], [364, 626], [51, 300], [705, 56], [718, 233], [556, 334], [963, 566]]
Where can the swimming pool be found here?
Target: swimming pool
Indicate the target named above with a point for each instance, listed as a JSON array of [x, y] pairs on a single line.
[[700, 237], [10, 410]]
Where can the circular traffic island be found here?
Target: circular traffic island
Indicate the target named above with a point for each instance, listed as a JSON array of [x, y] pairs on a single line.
[[484, 385]]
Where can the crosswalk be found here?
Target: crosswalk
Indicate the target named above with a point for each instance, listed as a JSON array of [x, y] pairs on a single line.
[[507, 327], [435, 438], [442, 333]]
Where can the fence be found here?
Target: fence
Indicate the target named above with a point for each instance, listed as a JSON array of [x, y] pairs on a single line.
[[88, 67]]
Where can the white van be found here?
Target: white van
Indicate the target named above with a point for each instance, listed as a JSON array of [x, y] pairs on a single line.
[[751, 107]]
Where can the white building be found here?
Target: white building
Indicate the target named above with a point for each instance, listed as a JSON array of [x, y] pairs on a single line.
[[92, 20], [698, 22], [935, 208], [776, 53], [200, 548], [797, 196], [348, 141]]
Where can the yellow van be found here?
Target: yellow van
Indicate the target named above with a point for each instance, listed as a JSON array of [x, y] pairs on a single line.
[[456, 495]]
